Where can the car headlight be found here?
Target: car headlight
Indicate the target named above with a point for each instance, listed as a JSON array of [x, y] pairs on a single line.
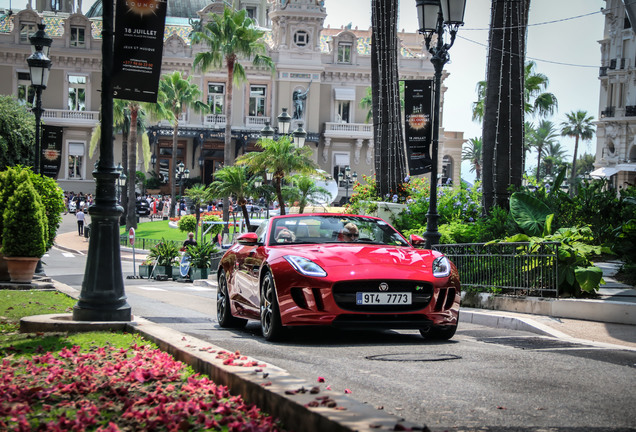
[[305, 266], [441, 267]]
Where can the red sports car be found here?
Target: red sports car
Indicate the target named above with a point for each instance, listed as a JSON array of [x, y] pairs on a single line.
[[340, 270]]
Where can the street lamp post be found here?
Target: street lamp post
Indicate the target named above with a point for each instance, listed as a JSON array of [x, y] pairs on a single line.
[[348, 179], [434, 17], [121, 181], [39, 68], [182, 174]]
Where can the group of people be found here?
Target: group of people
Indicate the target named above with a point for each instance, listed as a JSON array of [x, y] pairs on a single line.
[[74, 202]]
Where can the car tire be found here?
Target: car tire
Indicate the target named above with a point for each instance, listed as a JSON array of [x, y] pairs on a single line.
[[223, 309], [445, 332], [271, 324]]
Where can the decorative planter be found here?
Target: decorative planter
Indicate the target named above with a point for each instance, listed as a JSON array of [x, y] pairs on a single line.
[[4, 270], [198, 273], [163, 271], [176, 272], [21, 269], [144, 271], [215, 261]]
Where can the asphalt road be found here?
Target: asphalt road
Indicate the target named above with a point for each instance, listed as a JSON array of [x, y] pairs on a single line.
[[483, 379]]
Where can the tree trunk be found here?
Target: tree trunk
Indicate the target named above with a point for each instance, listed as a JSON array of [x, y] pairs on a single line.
[[573, 172], [124, 162], [228, 149], [504, 102], [173, 186], [390, 160], [279, 194], [131, 206]]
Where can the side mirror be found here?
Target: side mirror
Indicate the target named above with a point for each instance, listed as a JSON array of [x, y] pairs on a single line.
[[417, 240], [249, 238]]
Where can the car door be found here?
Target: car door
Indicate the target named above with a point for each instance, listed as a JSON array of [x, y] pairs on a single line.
[[249, 259]]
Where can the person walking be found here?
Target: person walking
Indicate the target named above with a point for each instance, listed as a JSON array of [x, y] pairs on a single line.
[[80, 221]]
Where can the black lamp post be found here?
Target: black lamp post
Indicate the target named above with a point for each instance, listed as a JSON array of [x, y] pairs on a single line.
[[434, 17], [182, 175], [121, 181], [102, 297], [348, 179], [39, 68]]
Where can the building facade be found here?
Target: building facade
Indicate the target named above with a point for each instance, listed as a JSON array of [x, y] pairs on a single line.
[[321, 75], [616, 127]]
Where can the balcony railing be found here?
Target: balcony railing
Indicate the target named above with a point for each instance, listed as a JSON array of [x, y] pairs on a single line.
[[58, 116], [255, 122], [607, 112], [348, 130], [214, 120]]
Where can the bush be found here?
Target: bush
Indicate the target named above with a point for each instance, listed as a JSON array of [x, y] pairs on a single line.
[[53, 200], [8, 184], [187, 223], [25, 228]]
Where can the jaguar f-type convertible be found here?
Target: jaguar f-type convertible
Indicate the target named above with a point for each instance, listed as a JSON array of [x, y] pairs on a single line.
[[338, 270]]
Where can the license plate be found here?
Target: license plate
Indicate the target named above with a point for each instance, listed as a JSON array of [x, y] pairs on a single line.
[[367, 298]]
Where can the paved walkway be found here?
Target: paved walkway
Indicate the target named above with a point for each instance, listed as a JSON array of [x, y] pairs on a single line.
[[621, 335]]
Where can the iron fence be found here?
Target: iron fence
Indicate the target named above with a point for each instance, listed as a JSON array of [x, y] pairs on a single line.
[[514, 268], [144, 243]]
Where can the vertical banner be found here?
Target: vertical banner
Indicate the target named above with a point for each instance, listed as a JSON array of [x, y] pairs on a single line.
[[51, 147], [418, 123], [139, 27]]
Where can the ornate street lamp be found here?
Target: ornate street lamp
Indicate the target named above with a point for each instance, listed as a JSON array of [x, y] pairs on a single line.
[[267, 131], [182, 175], [39, 68], [121, 181], [153, 160], [284, 122], [299, 135], [102, 297], [348, 179], [434, 18]]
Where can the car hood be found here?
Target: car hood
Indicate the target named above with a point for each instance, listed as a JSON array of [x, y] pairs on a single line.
[[338, 255]]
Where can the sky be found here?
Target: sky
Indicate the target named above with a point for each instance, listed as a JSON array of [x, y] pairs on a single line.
[[563, 40]]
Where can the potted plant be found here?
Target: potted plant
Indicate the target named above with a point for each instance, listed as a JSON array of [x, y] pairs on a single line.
[[164, 254], [200, 259], [145, 268], [25, 232]]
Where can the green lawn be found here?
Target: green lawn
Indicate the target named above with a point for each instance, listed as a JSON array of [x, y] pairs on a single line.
[[157, 230]]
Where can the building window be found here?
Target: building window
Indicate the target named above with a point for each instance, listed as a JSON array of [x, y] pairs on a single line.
[[344, 108], [257, 100], [26, 92], [77, 37], [75, 160], [55, 5], [77, 92], [344, 53], [216, 98], [26, 30], [340, 163], [251, 12], [301, 38]]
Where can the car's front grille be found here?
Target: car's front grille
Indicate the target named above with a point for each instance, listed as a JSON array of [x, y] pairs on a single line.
[[344, 294]]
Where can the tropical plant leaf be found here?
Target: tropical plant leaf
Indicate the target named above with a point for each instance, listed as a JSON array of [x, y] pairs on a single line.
[[529, 213], [589, 278]]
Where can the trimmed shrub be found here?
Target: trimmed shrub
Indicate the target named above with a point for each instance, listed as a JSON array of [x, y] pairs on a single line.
[[187, 223], [25, 227]]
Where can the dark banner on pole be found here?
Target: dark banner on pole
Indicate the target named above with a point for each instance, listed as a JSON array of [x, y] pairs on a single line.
[[417, 116], [51, 157], [139, 27]]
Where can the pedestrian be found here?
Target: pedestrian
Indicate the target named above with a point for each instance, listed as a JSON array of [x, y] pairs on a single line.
[[80, 221], [190, 241]]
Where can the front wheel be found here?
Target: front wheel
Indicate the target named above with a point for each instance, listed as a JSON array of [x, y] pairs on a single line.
[[223, 310], [271, 323]]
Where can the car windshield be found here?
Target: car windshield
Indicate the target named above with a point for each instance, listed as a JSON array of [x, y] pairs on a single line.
[[312, 229]]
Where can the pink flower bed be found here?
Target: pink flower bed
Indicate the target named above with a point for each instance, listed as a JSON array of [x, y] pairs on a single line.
[[112, 389]]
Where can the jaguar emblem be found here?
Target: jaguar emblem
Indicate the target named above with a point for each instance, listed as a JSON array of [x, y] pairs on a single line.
[[384, 286]]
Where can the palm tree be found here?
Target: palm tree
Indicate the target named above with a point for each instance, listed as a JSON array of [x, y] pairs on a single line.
[[578, 125], [306, 191], [390, 157], [366, 103], [176, 94], [234, 180], [199, 195], [537, 102], [472, 154], [280, 158], [554, 155], [540, 137], [229, 37]]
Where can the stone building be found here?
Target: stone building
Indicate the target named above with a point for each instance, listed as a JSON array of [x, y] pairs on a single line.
[[616, 128], [321, 75]]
